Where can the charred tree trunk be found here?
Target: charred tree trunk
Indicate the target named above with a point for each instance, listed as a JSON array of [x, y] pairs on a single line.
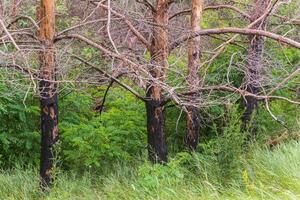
[[194, 54], [254, 65], [48, 90], [157, 148]]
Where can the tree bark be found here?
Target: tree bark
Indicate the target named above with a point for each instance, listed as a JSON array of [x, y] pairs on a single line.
[[48, 90], [193, 79], [157, 148], [254, 66]]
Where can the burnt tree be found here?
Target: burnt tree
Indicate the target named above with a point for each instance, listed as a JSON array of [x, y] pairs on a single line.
[[254, 64], [157, 147], [193, 79], [48, 89]]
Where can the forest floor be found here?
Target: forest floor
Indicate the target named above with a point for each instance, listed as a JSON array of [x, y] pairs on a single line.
[[265, 174]]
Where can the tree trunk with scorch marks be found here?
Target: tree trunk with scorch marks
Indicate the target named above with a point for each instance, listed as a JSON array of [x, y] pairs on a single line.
[[157, 148], [194, 54], [48, 89]]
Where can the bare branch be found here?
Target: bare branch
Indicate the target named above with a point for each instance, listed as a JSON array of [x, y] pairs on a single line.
[[213, 7], [24, 70], [288, 20], [81, 25], [296, 72], [242, 31], [8, 34], [123, 85], [147, 4], [23, 17], [243, 93], [141, 38]]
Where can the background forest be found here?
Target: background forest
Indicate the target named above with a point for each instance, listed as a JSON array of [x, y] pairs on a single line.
[[149, 99]]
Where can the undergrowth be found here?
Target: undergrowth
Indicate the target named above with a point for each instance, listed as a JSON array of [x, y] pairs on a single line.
[[262, 174]]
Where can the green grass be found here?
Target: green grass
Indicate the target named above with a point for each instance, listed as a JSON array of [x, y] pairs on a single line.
[[263, 174]]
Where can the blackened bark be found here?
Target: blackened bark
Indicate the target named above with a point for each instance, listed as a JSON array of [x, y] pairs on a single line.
[[250, 105], [254, 67], [48, 90], [157, 147], [49, 122]]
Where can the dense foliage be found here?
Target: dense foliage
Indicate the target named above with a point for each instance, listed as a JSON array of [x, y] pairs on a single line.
[[105, 97]]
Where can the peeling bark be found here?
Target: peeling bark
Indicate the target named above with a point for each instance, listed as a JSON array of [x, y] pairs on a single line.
[[157, 148], [194, 54], [254, 65], [48, 93]]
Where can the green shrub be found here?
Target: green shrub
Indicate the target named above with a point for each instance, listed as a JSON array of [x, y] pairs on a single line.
[[19, 136], [118, 134]]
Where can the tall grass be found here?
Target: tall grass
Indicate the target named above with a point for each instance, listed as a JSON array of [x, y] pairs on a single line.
[[263, 174]]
